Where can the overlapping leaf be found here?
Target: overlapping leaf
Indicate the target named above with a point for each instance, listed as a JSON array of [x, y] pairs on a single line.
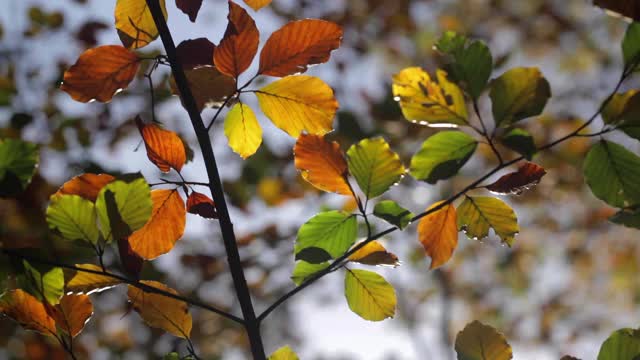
[[239, 44], [369, 295], [133, 200], [303, 270], [27, 311], [135, 24], [243, 130], [374, 166], [74, 217], [528, 175], [18, 160], [164, 148], [482, 342], [46, 284], [373, 253], [391, 212], [72, 313], [520, 141], [86, 282], [86, 185], [623, 112], [517, 94], [160, 311], [201, 204], [208, 86], [189, 7], [322, 163], [442, 155], [476, 215], [332, 231], [438, 234], [257, 4], [284, 353], [195, 52]]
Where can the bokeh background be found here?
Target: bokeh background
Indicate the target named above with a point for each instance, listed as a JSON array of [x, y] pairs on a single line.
[[569, 280]]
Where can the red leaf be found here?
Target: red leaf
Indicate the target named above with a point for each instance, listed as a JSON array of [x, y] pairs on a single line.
[[195, 52], [201, 204], [239, 44], [189, 7], [527, 176]]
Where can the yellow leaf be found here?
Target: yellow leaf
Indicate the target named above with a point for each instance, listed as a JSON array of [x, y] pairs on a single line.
[[72, 313], [438, 233], [135, 24], [257, 4], [476, 215], [299, 103], [374, 254], [85, 282], [243, 131], [284, 353], [429, 102], [160, 311], [322, 164], [164, 227], [27, 311], [369, 295]]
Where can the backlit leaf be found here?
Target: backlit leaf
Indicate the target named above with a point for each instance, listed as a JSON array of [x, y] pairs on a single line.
[[623, 111], [195, 52], [477, 214], [27, 311], [299, 103], [482, 342], [135, 24], [99, 73], [189, 7], [627, 217], [46, 284], [613, 174], [85, 282], [164, 228], [322, 163], [257, 4], [520, 141], [331, 231], [393, 213], [374, 166], [621, 344], [438, 234], [164, 148], [86, 185], [631, 43], [374, 254], [284, 353], [243, 130], [298, 44], [517, 94], [18, 161], [239, 44], [369, 295], [134, 204], [72, 313], [442, 155], [527, 176], [208, 86], [201, 204], [160, 311], [304, 270], [74, 217], [426, 101]]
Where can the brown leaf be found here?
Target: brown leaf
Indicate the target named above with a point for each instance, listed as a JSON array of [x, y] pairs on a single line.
[[374, 254], [209, 86], [86, 185], [239, 44], [528, 175], [195, 52], [99, 73], [85, 282], [257, 4], [628, 8], [72, 313], [164, 228], [189, 7], [164, 148], [438, 233], [131, 262], [27, 311], [322, 163], [201, 204], [297, 45], [160, 311]]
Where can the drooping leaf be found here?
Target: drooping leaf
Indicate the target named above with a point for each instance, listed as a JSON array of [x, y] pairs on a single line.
[[239, 44], [482, 342], [86, 185], [331, 231], [201, 204], [426, 101], [442, 155], [391, 212], [299, 103], [613, 174], [18, 161], [627, 217], [27, 311], [46, 284], [369, 295], [208, 86], [298, 44], [85, 282], [160, 311], [373, 253], [74, 217], [520, 141], [243, 130], [374, 166], [164, 148], [621, 344], [189, 7], [195, 52], [631, 44], [99, 73], [72, 313], [518, 94], [322, 163], [257, 4], [477, 214], [134, 204], [135, 24], [527, 176], [438, 234], [304, 270], [284, 353]]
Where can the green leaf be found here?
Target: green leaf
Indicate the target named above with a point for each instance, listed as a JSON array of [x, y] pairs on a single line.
[[482, 342], [49, 284], [303, 270], [442, 155], [134, 204], [394, 214], [613, 174], [627, 217], [313, 255], [74, 217], [18, 160], [374, 165], [369, 295], [331, 231], [521, 142], [518, 94], [623, 111], [284, 353], [477, 214], [471, 62], [631, 46], [622, 344]]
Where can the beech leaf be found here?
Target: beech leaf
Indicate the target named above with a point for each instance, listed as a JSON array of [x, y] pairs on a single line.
[[189, 7], [438, 234], [517, 94], [74, 217], [369, 295], [135, 24], [482, 342], [243, 131], [374, 166], [284, 353], [86, 185], [394, 214], [164, 148], [160, 311], [331, 231], [373, 253], [18, 162], [195, 52], [133, 200], [477, 214], [27, 311], [208, 86], [72, 313], [304, 270], [86, 282], [442, 155], [527, 176], [201, 204], [322, 164], [239, 44]]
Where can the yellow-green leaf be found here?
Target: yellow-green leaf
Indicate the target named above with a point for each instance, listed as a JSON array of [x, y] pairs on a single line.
[[134, 204], [374, 165], [243, 131], [135, 24], [74, 217], [518, 94], [284, 353], [481, 342], [85, 282], [369, 295], [160, 311], [45, 284], [477, 214]]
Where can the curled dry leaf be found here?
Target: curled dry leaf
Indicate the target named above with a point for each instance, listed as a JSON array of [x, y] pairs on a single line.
[[438, 234], [528, 175], [135, 24], [27, 311], [72, 313], [239, 44], [160, 311], [77, 281], [195, 52], [86, 185], [164, 148], [322, 163], [99, 73], [201, 204], [189, 7], [374, 254]]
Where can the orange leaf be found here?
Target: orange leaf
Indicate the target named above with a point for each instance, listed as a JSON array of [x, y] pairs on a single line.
[[27, 311], [438, 233], [72, 313], [201, 204], [374, 254], [99, 73], [297, 45], [164, 228], [160, 311], [257, 4], [322, 163], [528, 175], [239, 44], [189, 7], [195, 52], [164, 148], [86, 185]]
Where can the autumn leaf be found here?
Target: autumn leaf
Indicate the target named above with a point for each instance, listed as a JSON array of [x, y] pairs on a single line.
[[72, 313], [298, 44], [322, 163], [476, 215], [135, 24], [438, 234], [373, 253], [99, 73], [369, 295], [160, 311], [77, 281], [164, 228], [284, 353], [134, 205], [482, 342], [201, 204], [189, 7], [86, 185], [299, 103], [374, 166], [26, 310], [208, 86], [239, 44], [243, 131], [257, 4], [195, 52], [528, 175], [164, 148]]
